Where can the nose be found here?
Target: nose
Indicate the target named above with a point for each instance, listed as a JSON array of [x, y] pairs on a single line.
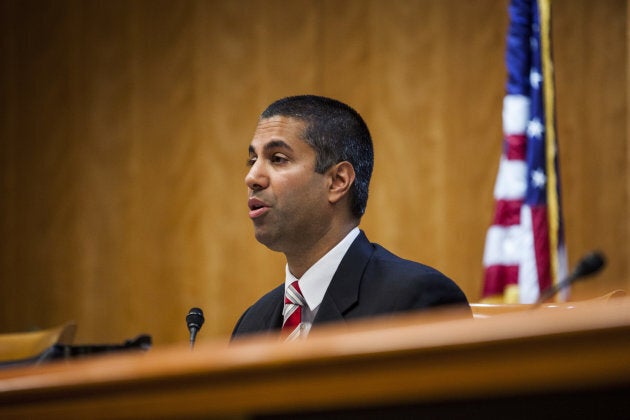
[[256, 179]]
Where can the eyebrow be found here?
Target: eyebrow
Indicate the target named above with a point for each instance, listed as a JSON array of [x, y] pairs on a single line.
[[274, 144]]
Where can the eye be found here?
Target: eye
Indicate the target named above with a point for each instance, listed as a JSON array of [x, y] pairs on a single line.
[[250, 161], [278, 158]]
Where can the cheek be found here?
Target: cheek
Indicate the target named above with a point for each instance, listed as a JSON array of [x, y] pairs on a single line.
[[301, 191], [314, 197]]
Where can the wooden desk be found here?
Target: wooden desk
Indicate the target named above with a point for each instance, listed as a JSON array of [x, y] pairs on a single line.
[[521, 365]]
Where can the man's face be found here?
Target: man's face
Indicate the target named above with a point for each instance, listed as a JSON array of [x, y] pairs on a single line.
[[288, 200]]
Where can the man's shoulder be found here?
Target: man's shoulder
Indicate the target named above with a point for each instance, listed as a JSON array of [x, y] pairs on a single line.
[[378, 258], [387, 260], [392, 274]]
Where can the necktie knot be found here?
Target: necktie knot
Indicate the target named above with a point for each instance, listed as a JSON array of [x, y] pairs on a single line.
[[293, 295]]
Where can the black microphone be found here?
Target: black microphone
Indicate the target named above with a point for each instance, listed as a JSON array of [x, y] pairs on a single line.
[[194, 320], [590, 264]]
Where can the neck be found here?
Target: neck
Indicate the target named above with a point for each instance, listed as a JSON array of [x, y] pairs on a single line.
[[299, 261]]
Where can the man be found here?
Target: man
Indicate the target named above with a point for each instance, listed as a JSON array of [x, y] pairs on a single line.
[[310, 162]]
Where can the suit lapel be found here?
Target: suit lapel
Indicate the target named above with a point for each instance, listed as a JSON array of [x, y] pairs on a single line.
[[343, 292], [268, 316], [275, 319]]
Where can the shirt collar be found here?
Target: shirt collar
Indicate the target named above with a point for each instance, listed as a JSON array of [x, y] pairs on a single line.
[[316, 279]]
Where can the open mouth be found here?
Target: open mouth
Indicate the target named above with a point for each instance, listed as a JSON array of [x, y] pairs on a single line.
[[256, 207]]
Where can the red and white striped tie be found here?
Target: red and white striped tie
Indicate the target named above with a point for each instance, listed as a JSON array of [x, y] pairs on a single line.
[[293, 303]]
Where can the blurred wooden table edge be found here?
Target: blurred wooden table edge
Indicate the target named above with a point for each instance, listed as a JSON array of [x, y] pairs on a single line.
[[412, 358]]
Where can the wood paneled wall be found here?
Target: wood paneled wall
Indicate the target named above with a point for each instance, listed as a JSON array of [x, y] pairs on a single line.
[[125, 127]]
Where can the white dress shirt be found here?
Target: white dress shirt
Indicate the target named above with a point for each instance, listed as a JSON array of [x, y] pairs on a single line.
[[316, 280]]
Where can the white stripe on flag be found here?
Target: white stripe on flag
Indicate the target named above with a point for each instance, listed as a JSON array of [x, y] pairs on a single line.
[[503, 246], [528, 288], [515, 114], [511, 183]]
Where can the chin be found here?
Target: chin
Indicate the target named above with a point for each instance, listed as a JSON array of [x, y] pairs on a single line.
[[267, 240]]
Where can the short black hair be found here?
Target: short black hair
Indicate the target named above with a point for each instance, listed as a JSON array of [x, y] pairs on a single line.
[[337, 133]]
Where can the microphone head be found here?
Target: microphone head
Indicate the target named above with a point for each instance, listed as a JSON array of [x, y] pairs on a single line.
[[591, 263], [195, 318]]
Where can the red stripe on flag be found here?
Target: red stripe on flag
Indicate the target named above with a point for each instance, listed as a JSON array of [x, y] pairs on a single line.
[[507, 212], [515, 146], [540, 227], [497, 277]]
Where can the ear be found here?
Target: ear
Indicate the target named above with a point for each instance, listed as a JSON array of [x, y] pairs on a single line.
[[341, 177]]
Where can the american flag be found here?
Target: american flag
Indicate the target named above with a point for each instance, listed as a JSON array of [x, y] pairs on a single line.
[[524, 251]]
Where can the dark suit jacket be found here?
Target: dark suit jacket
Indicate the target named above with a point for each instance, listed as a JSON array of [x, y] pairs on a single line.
[[369, 281]]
